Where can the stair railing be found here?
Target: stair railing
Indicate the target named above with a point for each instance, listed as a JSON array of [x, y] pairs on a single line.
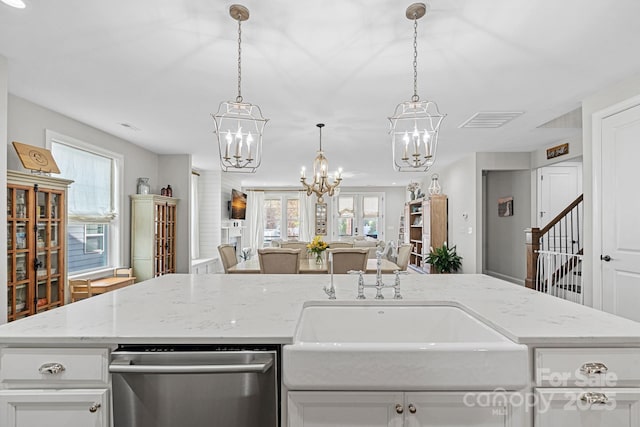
[[560, 274], [562, 235]]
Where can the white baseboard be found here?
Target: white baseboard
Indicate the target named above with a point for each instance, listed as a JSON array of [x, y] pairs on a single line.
[[505, 277]]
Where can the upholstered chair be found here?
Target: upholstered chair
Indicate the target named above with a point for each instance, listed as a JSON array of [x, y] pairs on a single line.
[[279, 260], [296, 245], [337, 245], [227, 256], [345, 259], [403, 257]]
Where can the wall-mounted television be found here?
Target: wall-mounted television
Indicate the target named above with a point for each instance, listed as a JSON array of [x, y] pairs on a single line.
[[238, 205]]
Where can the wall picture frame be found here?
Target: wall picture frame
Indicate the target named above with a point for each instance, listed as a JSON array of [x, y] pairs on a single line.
[[505, 206]]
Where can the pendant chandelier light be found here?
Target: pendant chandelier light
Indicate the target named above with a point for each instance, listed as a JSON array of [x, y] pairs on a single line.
[[320, 184], [238, 124], [415, 123]]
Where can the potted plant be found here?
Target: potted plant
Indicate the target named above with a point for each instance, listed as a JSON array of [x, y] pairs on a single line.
[[444, 259]]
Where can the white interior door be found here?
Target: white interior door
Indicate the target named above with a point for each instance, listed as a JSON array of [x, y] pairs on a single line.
[[558, 186], [620, 207]]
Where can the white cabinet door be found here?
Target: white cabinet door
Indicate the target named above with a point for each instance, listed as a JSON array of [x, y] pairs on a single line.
[[457, 409], [345, 409], [54, 408], [566, 407]]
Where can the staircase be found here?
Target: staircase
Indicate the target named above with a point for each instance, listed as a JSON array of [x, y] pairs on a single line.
[[554, 254]]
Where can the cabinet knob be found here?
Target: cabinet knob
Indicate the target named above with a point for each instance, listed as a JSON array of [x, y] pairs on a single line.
[[412, 408], [51, 368], [590, 368], [399, 409], [93, 408], [594, 398]]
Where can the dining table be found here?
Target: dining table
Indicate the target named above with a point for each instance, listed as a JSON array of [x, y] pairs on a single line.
[[107, 284], [309, 266]]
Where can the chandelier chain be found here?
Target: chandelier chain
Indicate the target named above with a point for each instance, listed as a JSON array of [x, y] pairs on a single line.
[[415, 97], [239, 97]]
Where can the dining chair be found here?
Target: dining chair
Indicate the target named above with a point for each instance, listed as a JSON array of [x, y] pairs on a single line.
[[227, 256], [123, 272], [80, 289], [304, 253], [279, 260], [337, 245], [403, 257], [346, 259]]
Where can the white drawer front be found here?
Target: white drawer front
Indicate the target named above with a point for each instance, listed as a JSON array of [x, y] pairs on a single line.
[[53, 367], [587, 367], [569, 407]]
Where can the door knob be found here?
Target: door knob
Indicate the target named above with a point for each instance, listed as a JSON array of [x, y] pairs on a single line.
[[399, 408], [606, 258], [412, 408]]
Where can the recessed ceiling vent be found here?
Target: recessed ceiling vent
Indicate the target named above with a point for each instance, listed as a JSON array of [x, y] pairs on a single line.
[[490, 119]]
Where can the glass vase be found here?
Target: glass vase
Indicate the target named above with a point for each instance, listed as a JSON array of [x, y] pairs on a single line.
[[319, 259], [143, 186]]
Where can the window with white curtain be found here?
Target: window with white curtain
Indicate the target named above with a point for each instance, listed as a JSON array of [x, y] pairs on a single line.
[[359, 215], [281, 217], [93, 228]]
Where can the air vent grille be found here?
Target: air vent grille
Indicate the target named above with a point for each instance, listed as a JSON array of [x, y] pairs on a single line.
[[490, 119]]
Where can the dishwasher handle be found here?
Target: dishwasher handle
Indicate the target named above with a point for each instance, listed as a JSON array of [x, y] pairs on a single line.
[[126, 367]]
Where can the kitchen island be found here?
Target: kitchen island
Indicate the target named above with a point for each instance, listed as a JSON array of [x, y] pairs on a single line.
[[264, 310]]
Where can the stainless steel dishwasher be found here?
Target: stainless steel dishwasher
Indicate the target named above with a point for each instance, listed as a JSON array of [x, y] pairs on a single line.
[[195, 386]]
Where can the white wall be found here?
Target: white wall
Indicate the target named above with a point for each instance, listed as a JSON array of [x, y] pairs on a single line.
[[210, 208], [458, 182], [504, 240], [175, 170], [27, 123], [604, 99], [462, 183], [539, 157], [4, 88]]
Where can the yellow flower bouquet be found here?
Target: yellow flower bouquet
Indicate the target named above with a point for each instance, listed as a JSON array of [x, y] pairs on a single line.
[[317, 247]]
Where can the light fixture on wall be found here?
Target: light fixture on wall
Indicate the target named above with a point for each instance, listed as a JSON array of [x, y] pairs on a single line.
[[321, 184], [415, 124], [238, 124]]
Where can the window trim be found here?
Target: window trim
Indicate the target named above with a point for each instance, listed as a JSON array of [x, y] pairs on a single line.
[[284, 197], [99, 235], [116, 230], [359, 217]]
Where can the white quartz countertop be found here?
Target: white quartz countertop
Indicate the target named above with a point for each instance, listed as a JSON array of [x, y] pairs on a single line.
[[264, 309]]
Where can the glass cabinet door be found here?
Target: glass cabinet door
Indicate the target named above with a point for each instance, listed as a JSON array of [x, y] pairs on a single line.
[[35, 248]]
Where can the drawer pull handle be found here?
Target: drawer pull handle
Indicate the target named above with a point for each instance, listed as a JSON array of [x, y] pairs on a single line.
[[590, 368], [399, 409], [93, 408], [594, 398], [51, 368], [412, 408]]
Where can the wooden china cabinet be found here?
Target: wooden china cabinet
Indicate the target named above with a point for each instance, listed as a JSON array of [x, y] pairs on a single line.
[[153, 235], [426, 227], [36, 243]]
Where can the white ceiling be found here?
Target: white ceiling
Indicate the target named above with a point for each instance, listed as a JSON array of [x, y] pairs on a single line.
[[164, 65]]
